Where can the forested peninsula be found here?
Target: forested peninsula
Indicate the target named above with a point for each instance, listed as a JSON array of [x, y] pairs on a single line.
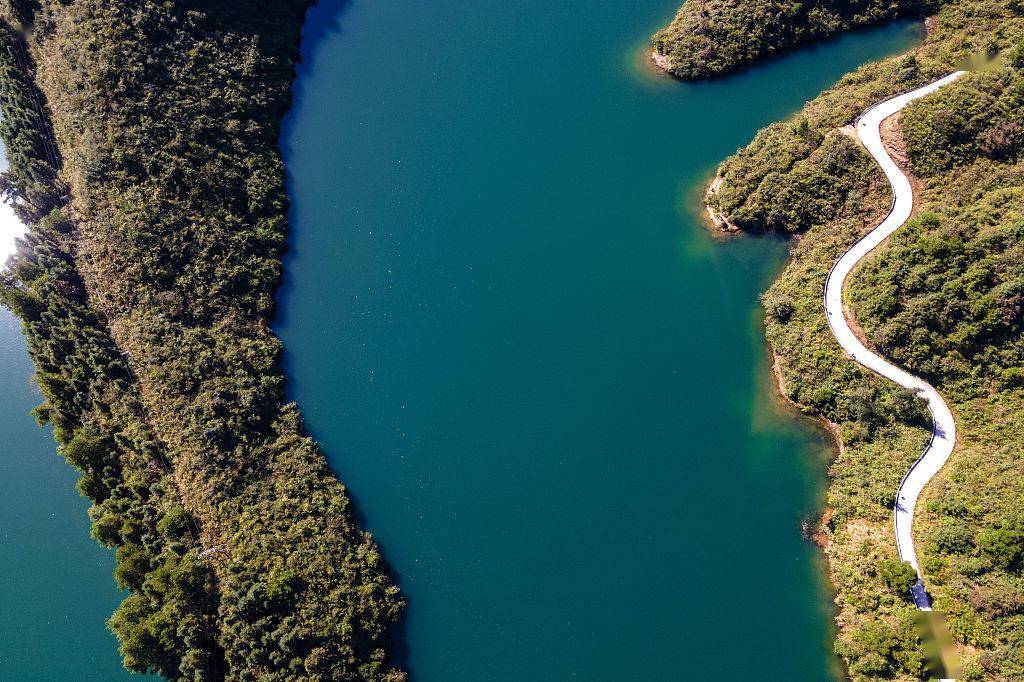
[[143, 146], [944, 298], [709, 38]]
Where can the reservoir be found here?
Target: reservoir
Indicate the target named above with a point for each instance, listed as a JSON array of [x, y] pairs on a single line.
[[544, 382]]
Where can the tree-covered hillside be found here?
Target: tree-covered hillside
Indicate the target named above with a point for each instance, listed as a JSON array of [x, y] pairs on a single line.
[[143, 140], [943, 297], [709, 38]]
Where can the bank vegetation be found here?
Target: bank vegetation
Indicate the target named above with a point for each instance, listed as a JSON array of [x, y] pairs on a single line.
[[143, 145], [709, 38], [944, 297]]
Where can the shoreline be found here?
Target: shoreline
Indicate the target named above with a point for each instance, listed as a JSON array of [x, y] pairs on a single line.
[[719, 222], [661, 61], [812, 525], [830, 432]]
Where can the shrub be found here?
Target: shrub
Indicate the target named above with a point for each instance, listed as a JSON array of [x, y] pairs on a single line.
[[898, 576]]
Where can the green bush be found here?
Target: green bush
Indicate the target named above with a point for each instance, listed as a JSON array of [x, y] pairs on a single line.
[[1004, 547], [898, 576]]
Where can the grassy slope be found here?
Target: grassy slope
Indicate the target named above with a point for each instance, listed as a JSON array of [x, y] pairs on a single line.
[[802, 176], [148, 316]]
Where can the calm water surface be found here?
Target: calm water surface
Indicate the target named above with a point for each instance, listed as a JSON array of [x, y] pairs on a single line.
[[544, 383], [542, 380], [56, 583]]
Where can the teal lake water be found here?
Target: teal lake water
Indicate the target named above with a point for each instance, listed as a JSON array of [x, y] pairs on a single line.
[[57, 582], [543, 381], [545, 385]]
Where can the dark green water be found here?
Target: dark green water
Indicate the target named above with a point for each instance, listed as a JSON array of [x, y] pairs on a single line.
[[544, 383]]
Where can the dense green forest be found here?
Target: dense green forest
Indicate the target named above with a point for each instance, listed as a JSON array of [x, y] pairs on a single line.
[[944, 298], [142, 139], [712, 37]]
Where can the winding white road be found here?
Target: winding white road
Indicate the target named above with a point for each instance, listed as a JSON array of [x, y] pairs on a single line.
[[944, 428]]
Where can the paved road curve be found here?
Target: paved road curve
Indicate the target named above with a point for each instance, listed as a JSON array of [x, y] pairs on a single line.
[[943, 429]]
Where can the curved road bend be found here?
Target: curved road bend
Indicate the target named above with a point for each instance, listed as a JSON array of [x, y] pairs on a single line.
[[943, 427]]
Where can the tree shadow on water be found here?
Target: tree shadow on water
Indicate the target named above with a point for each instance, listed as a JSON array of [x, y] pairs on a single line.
[[325, 22]]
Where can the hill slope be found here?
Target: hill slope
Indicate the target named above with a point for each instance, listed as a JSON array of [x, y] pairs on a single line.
[[709, 38], [146, 288], [943, 299]]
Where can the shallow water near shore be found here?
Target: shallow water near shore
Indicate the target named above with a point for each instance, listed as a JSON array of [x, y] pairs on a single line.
[[542, 379]]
